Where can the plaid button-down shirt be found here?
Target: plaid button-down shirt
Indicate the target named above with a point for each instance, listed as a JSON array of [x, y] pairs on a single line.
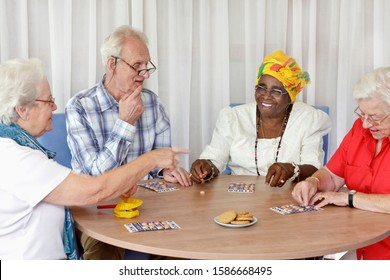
[[99, 141]]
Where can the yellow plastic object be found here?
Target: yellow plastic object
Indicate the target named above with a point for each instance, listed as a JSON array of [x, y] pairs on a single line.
[[127, 208]]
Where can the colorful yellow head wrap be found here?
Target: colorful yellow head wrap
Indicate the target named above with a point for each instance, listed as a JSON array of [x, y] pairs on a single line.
[[286, 70]]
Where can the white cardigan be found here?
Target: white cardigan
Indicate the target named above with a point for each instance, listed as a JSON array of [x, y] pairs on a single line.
[[234, 137]]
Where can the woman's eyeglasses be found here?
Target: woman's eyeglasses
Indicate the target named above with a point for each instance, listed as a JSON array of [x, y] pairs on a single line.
[[274, 92], [368, 118], [52, 100]]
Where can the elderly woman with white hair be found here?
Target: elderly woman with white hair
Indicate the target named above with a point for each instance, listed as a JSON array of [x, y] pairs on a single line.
[[362, 161], [34, 189]]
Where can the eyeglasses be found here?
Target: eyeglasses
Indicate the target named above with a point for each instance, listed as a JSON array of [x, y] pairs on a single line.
[[141, 72], [364, 117], [273, 92], [52, 100]]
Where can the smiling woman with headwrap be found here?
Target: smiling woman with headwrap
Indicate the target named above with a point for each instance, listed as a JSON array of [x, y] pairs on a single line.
[[276, 136]]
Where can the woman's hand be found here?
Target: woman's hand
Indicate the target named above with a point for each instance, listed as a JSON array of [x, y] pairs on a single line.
[[201, 169], [304, 192], [278, 174], [130, 192], [167, 158], [325, 198]]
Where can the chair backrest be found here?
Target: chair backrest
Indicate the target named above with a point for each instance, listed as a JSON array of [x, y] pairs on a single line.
[[55, 140], [325, 139]]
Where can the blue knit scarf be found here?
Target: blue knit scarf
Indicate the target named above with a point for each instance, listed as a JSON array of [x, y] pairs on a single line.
[[23, 138]]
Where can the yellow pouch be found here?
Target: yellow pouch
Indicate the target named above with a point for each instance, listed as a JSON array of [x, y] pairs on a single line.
[[127, 208]]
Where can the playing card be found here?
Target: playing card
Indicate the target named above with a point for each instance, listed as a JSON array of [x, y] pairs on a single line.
[[241, 188], [151, 226], [158, 186], [292, 209]]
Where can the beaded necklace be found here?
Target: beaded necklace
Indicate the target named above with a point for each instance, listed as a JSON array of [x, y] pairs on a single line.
[[259, 124]]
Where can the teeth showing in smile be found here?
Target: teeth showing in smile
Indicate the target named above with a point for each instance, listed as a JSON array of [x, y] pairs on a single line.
[[266, 105]]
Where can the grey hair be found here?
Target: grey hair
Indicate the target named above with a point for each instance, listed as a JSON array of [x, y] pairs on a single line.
[[375, 84], [112, 45], [19, 85]]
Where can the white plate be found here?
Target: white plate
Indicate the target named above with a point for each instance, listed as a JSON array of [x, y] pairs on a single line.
[[236, 226]]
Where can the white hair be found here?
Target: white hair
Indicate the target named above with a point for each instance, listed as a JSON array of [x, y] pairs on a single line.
[[375, 84], [19, 85], [112, 45]]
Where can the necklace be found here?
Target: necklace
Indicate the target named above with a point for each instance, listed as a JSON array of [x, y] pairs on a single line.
[[259, 124], [262, 127]]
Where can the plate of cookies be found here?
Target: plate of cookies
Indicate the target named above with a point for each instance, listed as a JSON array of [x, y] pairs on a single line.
[[235, 219]]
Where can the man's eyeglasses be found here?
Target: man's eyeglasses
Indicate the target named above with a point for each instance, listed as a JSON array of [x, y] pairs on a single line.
[[274, 92], [141, 72], [369, 119], [52, 100]]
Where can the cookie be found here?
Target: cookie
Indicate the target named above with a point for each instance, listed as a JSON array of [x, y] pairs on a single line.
[[235, 222], [244, 216], [247, 215], [244, 219], [227, 217]]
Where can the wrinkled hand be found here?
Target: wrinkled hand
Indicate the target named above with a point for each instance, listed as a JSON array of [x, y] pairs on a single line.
[[304, 192], [166, 158], [336, 198], [130, 192], [131, 106], [200, 170], [278, 174], [179, 175]]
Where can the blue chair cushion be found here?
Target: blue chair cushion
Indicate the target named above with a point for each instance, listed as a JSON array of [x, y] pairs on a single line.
[[55, 140]]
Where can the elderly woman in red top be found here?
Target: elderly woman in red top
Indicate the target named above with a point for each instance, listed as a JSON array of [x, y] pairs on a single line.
[[362, 162]]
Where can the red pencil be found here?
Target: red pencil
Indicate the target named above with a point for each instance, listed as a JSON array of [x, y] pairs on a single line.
[[108, 206]]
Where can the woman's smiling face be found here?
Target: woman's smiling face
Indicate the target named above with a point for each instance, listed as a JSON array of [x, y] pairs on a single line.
[[271, 105]]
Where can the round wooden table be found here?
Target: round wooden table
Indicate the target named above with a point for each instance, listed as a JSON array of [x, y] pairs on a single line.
[[274, 236]]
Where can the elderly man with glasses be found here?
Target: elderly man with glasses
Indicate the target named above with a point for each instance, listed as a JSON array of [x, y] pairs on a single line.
[[117, 120]]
